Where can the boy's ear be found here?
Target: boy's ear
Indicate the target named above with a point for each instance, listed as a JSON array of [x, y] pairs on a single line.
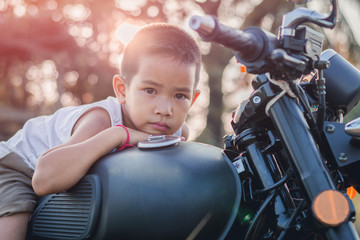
[[196, 94], [119, 88]]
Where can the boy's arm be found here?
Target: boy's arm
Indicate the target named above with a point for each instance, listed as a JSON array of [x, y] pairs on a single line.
[[63, 166]]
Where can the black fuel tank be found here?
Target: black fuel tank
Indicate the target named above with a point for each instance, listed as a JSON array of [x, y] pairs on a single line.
[[185, 191]]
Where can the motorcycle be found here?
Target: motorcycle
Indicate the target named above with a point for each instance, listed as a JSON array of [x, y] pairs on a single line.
[[283, 174]]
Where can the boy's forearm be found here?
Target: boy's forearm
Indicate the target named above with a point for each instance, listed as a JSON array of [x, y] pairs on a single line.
[[63, 167]]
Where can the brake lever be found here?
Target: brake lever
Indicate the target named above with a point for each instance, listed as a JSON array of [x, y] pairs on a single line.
[[302, 15]]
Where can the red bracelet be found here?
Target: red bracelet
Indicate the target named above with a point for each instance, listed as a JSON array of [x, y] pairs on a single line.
[[126, 144]]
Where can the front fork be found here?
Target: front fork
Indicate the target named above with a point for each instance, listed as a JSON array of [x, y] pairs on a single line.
[[305, 157]]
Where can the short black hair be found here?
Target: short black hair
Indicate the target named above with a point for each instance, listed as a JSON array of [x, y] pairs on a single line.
[[160, 38]]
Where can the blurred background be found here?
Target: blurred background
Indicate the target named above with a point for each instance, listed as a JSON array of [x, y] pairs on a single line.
[[61, 53]]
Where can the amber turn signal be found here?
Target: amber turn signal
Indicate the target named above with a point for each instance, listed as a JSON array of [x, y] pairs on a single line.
[[331, 208], [351, 192], [243, 69]]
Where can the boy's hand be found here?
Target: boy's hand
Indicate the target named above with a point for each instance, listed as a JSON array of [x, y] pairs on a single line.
[[136, 136]]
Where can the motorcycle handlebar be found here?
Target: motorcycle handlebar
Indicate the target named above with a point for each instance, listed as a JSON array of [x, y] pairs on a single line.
[[249, 44]]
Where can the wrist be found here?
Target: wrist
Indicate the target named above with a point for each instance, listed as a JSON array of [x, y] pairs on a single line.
[[126, 143]]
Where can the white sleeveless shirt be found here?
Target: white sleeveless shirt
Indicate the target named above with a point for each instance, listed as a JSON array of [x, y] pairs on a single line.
[[44, 132]]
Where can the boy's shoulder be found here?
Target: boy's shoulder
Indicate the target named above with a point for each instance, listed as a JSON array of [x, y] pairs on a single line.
[[107, 103], [65, 117], [110, 100]]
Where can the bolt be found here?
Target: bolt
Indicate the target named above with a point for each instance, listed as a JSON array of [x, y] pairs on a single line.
[[330, 128], [298, 227], [343, 157], [256, 99]]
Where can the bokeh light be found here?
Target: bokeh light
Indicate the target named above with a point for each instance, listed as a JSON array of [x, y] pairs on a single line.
[[125, 32]]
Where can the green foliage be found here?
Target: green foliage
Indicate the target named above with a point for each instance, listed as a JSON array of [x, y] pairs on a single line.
[[59, 53]]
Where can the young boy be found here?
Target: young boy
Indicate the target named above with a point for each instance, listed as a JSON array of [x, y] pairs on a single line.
[[156, 88]]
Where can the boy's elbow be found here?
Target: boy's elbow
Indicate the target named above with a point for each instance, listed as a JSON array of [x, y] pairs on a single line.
[[40, 187]]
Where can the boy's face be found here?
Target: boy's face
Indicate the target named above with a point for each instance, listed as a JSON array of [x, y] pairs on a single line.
[[158, 98]]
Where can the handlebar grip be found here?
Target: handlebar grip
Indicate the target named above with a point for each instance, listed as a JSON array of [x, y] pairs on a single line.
[[248, 44]]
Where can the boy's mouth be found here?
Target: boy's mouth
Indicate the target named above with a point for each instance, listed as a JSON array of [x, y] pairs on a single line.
[[161, 126]]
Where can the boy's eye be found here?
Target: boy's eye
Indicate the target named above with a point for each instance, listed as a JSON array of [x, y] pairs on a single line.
[[149, 91], [180, 96]]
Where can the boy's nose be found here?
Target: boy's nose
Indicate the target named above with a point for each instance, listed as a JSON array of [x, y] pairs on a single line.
[[163, 108]]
